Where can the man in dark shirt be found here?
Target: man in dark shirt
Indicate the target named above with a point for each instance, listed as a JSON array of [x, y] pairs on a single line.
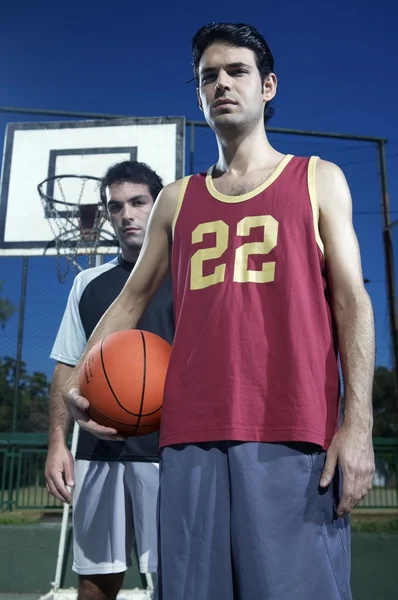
[[115, 482]]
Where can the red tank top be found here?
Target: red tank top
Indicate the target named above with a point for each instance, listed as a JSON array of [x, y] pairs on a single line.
[[254, 355]]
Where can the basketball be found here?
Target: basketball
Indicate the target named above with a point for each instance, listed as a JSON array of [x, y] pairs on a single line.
[[123, 378]]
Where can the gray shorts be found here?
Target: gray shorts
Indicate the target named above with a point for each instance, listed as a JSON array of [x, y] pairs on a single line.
[[114, 504], [248, 521]]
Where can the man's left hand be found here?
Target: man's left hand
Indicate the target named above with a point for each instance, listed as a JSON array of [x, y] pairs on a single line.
[[353, 452]]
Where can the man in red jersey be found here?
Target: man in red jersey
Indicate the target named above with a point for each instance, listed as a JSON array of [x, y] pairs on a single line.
[[257, 479]]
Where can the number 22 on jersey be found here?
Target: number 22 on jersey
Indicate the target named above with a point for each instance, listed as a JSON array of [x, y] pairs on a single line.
[[242, 273]]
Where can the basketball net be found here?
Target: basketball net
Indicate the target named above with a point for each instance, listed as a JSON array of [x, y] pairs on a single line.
[[77, 226]]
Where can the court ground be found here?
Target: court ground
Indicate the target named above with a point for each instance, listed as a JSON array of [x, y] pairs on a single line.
[[374, 569]]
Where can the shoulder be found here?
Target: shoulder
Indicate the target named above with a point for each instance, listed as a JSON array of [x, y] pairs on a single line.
[[85, 277], [327, 171], [331, 186], [172, 191], [169, 199]]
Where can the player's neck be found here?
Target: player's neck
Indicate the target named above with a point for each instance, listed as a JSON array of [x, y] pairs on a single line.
[[245, 153], [130, 256]]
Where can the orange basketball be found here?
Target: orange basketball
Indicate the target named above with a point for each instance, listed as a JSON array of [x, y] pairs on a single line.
[[123, 379]]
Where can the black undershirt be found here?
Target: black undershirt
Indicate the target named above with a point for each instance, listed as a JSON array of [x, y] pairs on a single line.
[[98, 295]]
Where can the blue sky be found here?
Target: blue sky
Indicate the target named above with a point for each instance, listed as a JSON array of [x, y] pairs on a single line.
[[336, 65]]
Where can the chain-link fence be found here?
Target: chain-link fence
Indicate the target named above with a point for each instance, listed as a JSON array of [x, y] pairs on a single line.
[[32, 300]]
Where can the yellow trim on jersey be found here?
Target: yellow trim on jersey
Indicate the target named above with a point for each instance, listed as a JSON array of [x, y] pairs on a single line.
[[314, 202], [234, 199], [180, 200]]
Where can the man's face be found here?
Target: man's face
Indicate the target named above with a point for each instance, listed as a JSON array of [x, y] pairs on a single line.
[[129, 206], [230, 90]]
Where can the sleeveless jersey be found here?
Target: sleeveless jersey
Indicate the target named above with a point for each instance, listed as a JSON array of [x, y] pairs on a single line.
[[255, 354]]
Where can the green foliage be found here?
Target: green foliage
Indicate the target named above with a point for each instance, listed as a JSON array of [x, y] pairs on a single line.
[[19, 518], [33, 395], [374, 525], [6, 308], [385, 408]]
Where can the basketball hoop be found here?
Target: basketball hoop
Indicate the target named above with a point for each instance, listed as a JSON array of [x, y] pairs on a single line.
[[77, 226]]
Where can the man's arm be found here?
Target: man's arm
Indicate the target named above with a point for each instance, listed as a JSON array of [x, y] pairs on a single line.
[[59, 469], [352, 446], [125, 312]]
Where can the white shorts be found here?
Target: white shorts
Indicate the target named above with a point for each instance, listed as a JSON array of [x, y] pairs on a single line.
[[113, 504]]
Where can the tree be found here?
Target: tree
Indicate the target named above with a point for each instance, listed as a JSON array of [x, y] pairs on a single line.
[[33, 393], [385, 410], [6, 308]]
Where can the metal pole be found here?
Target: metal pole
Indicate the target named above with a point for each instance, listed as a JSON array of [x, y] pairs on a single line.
[[192, 148], [60, 113], [385, 204], [389, 259], [56, 584], [21, 323], [59, 570], [84, 115], [340, 136], [99, 260]]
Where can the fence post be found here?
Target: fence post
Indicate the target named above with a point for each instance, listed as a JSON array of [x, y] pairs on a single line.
[[192, 149], [11, 479], [3, 478], [395, 451], [21, 324]]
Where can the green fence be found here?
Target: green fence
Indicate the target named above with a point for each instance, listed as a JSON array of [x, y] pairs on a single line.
[[22, 460], [23, 456], [384, 493]]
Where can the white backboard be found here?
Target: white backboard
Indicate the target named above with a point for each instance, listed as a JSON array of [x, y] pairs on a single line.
[[35, 151]]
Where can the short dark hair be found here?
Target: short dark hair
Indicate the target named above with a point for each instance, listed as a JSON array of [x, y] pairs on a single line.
[[133, 172], [240, 35]]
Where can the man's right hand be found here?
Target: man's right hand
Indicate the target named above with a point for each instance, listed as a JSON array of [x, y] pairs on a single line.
[[77, 406], [59, 472]]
